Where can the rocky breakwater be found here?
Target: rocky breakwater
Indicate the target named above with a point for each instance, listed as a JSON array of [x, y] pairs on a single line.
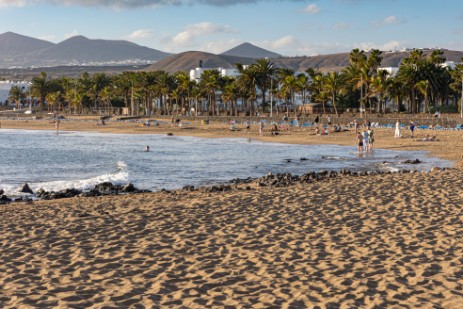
[[105, 188], [287, 179]]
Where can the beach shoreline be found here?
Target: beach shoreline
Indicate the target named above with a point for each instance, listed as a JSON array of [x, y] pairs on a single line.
[[382, 240], [384, 137]]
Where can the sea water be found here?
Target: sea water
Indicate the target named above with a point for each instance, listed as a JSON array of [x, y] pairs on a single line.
[[55, 161]]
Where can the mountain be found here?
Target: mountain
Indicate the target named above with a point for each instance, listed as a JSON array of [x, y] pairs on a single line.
[[14, 44], [336, 62], [248, 50], [77, 50], [187, 61], [190, 60], [80, 50]]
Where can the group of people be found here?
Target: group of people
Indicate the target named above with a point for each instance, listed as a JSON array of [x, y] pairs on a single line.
[[365, 140]]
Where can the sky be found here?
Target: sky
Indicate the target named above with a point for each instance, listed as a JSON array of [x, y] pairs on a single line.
[[287, 27]]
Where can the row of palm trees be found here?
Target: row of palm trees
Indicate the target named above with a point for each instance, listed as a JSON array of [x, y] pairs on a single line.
[[422, 84]]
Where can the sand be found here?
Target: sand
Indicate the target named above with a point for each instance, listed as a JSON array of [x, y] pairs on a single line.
[[349, 242]]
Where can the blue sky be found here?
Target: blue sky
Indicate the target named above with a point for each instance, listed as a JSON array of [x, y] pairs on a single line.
[[288, 27]]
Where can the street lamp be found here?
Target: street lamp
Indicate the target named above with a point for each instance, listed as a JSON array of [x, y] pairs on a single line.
[[271, 97]]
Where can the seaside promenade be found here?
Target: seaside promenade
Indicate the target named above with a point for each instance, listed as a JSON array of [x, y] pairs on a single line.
[[391, 240]]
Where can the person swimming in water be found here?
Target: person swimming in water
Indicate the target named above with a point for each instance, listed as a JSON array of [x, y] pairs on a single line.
[[147, 148]]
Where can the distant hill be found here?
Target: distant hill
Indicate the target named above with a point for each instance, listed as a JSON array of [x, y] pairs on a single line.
[[190, 60], [14, 44], [335, 62], [77, 50], [248, 50], [84, 51]]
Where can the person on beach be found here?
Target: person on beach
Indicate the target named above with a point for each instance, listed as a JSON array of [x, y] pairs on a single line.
[[370, 138], [248, 127], [356, 126], [317, 119], [412, 129], [57, 125], [274, 130], [397, 129], [360, 141], [428, 138], [147, 148], [365, 139], [233, 126]]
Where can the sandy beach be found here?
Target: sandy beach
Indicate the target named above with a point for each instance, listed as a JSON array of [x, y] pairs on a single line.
[[392, 240]]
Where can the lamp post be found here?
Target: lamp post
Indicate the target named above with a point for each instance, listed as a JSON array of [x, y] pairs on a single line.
[[271, 97], [461, 106]]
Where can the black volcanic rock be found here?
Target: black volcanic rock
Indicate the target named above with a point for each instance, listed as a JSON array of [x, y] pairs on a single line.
[[25, 189]]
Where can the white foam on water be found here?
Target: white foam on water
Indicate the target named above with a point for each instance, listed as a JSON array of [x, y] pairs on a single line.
[[119, 177]]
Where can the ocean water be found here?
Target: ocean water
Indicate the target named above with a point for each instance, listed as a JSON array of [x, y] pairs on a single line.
[[45, 159]]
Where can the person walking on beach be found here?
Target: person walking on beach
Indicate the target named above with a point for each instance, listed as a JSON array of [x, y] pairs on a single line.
[[370, 138], [397, 129], [412, 129], [360, 141], [365, 140], [261, 128]]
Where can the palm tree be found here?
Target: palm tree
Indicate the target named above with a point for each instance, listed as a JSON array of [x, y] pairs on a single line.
[[163, 86], [333, 83], [99, 82], [17, 94], [410, 72], [183, 87], [246, 84], [316, 87], [289, 86], [40, 88], [380, 86], [210, 84], [52, 98], [231, 95], [423, 87], [263, 70]]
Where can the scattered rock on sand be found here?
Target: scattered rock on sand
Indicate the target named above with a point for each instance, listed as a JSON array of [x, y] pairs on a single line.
[[25, 189]]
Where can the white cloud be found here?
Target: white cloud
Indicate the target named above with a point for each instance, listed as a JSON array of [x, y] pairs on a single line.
[[391, 45], [218, 47], [188, 37], [129, 3], [48, 37], [389, 20], [312, 9], [71, 34], [13, 3], [140, 34]]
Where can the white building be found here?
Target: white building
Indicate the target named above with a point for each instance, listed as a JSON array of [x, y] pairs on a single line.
[[391, 70], [6, 85], [195, 74]]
